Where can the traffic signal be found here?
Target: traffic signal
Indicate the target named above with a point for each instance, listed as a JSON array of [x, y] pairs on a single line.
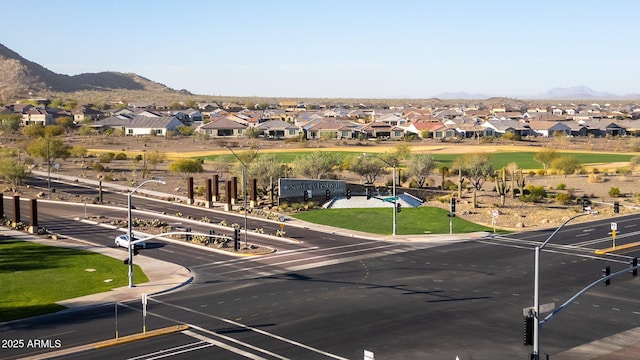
[[348, 193], [606, 272], [135, 250], [211, 236], [305, 195], [236, 239], [327, 194], [398, 207], [368, 191], [616, 207], [453, 205], [528, 330], [634, 263], [585, 205], [187, 236]]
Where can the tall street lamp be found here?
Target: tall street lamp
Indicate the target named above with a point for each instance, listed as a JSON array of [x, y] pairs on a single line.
[[395, 201], [129, 220], [244, 180], [536, 287]]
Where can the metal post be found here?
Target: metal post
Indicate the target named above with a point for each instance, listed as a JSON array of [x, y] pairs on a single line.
[[48, 169], [244, 191], [129, 227], [130, 237], [536, 287], [395, 202]]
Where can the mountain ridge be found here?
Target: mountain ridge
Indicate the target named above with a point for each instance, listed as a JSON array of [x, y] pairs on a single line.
[[21, 77]]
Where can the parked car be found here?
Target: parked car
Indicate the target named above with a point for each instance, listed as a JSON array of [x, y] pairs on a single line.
[[123, 241]]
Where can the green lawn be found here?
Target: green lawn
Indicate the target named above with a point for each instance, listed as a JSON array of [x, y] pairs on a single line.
[[35, 276], [418, 220], [501, 159]]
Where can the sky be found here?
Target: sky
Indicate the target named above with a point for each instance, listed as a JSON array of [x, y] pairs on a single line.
[[338, 48]]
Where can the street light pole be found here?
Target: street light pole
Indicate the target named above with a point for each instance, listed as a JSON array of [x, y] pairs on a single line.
[[536, 288], [244, 180], [129, 231], [395, 201]]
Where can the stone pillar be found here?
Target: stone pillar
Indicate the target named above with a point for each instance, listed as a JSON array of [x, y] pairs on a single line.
[[33, 228], [254, 192], [234, 190], [215, 185], [207, 200], [227, 190], [190, 190], [16, 209]]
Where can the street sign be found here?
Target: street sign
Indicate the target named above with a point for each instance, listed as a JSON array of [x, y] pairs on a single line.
[[368, 355], [614, 226], [495, 213], [544, 308]]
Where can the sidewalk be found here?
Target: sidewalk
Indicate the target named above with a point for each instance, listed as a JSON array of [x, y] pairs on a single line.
[[163, 276]]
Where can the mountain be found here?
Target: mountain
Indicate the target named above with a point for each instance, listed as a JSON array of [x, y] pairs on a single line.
[[20, 77], [576, 92]]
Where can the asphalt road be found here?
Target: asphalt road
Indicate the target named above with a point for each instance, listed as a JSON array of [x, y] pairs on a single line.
[[332, 296]]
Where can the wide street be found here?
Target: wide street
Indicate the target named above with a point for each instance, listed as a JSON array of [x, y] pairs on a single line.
[[332, 295]]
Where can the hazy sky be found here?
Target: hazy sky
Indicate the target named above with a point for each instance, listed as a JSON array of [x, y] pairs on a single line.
[[344, 48]]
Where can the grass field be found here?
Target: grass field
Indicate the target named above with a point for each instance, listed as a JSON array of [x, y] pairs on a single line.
[[34, 277], [419, 220], [501, 159]]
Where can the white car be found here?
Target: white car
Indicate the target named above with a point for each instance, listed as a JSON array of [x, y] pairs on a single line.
[[123, 241]]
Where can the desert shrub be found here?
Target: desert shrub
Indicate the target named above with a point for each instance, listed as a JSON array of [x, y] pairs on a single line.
[[614, 192], [448, 184], [511, 136], [561, 186], [562, 199], [200, 190], [138, 157], [539, 172], [98, 167], [533, 194], [486, 139], [595, 178], [623, 171], [532, 173], [121, 156], [595, 171], [106, 157]]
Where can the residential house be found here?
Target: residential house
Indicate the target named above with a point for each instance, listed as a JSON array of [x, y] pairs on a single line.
[[144, 125], [550, 128], [424, 129], [278, 129], [222, 127], [497, 127], [327, 129], [40, 116], [382, 130]]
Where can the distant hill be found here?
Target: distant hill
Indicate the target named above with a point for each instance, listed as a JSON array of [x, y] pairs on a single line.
[[21, 78], [576, 92]]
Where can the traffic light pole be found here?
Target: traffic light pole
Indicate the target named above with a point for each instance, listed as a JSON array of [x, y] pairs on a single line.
[[536, 289]]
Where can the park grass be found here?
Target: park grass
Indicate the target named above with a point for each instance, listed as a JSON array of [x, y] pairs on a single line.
[[34, 277], [524, 159], [420, 220]]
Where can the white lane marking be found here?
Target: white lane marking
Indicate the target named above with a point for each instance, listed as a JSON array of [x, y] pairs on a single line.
[[173, 351], [224, 346], [303, 259], [235, 323], [237, 260]]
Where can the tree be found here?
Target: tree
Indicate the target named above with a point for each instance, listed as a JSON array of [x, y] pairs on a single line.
[[10, 122], [566, 165], [368, 167], [186, 166], [477, 166], [48, 149], [420, 166], [34, 130], [78, 151], [65, 122], [265, 168], [185, 130], [317, 165], [13, 171], [402, 151], [545, 157]]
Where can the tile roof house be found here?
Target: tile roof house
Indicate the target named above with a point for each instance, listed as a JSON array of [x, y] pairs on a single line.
[[222, 127], [549, 128], [278, 129], [382, 130]]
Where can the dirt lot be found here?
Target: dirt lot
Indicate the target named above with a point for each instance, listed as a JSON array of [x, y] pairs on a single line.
[[514, 215]]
